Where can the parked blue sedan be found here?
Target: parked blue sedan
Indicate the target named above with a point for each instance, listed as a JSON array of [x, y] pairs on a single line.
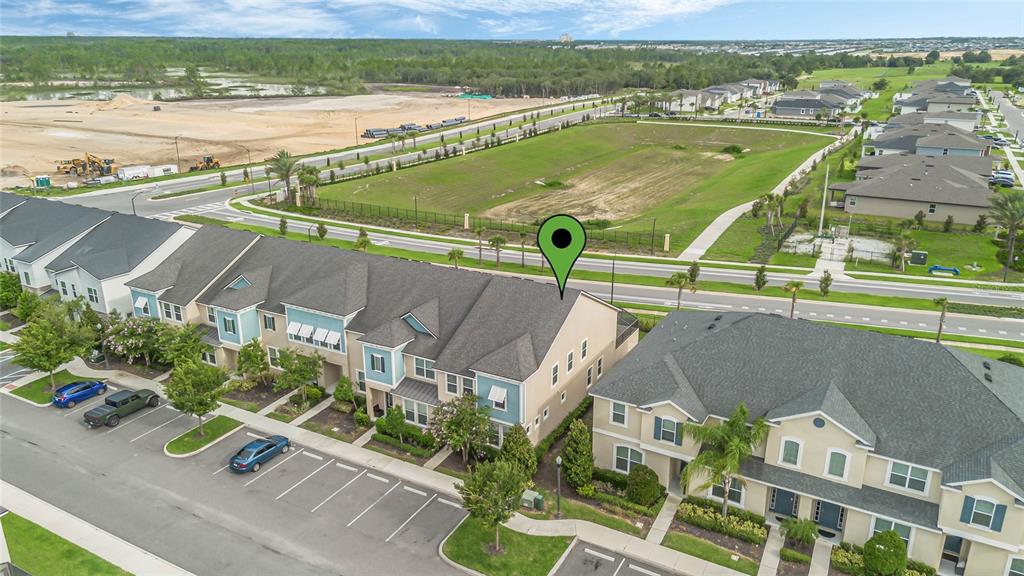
[[258, 452], [70, 395]]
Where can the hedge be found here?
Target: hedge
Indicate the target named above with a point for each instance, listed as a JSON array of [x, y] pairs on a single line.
[[790, 555], [849, 559], [616, 479], [398, 444], [716, 506], [730, 525], [560, 430], [614, 501]]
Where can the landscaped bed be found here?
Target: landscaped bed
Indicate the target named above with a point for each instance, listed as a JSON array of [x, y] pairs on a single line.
[[694, 546], [471, 545], [337, 422], [40, 392], [253, 400], [115, 363], [43, 553], [795, 560], [213, 429]]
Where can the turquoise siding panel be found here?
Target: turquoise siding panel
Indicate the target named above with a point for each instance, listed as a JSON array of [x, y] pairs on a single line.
[[235, 338], [153, 311], [385, 377], [316, 321], [399, 362], [416, 325], [249, 322], [512, 413]]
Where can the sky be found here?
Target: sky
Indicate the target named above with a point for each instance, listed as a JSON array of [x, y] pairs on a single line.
[[518, 19]]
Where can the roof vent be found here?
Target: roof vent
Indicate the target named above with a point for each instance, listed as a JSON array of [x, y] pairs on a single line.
[[988, 377], [987, 365], [711, 326], [717, 318]]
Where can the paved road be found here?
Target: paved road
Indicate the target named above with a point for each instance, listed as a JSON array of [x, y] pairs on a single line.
[[1012, 114], [303, 514]]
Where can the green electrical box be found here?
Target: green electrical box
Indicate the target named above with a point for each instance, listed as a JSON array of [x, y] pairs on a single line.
[[919, 257], [42, 181], [538, 502]]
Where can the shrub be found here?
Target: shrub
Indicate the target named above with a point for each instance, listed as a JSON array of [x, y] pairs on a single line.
[[578, 455], [732, 525], [617, 503], [847, 560], [545, 444], [343, 391], [800, 531], [717, 506], [616, 479], [314, 394], [733, 149], [392, 423], [885, 554], [517, 449], [918, 567], [402, 446], [587, 490], [790, 555], [643, 487], [362, 418]]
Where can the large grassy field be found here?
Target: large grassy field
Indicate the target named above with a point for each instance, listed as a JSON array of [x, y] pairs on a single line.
[[899, 81], [627, 173]]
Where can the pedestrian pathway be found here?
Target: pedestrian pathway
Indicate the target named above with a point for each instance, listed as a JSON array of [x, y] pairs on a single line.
[[436, 459], [273, 405], [366, 437], [323, 405], [664, 520], [770, 558], [79, 532], [820, 558]]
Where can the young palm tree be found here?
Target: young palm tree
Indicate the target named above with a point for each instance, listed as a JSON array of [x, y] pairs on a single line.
[[283, 165], [363, 241], [680, 280], [479, 231], [309, 179], [943, 303], [496, 242], [903, 243], [793, 287], [454, 255], [1008, 211], [723, 448]]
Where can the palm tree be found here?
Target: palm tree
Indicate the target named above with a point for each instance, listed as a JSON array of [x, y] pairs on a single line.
[[309, 178], [454, 255], [793, 287], [363, 241], [283, 166], [903, 243], [680, 280], [479, 231], [769, 211], [496, 242], [1008, 211], [723, 448], [522, 248], [944, 303]]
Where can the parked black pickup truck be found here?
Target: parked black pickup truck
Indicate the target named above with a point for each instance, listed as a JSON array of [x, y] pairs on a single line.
[[119, 405]]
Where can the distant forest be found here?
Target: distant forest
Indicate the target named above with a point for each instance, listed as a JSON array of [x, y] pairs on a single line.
[[499, 68]]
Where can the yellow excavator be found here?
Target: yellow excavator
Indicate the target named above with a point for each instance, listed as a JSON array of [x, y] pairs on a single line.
[[89, 165], [207, 163]]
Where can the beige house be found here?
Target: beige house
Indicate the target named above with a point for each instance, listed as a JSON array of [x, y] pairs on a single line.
[[867, 432]]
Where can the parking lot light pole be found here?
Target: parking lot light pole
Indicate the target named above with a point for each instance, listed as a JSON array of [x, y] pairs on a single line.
[[103, 346], [558, 493]]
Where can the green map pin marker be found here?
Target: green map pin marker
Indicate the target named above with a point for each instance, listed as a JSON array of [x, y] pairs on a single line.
[[561, 239]]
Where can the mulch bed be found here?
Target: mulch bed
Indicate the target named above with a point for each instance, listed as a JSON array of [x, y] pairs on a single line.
[[380, 446], [454, 463], [338, 423], [261, 395], [752, 551], [12, 320], [795, 568], [547, 471], [138, 369]]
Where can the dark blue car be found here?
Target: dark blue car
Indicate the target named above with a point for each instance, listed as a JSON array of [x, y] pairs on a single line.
[[70, 395], [258, 452]]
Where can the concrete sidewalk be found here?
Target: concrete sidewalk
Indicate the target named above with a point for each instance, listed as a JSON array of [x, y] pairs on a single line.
[[770, 558], [77, 531], [664, 520]]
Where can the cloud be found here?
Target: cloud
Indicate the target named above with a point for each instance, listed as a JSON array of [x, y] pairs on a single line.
[[522, 27], [418, 23]]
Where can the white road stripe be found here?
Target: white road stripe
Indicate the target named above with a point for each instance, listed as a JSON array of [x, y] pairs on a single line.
[[345, 466], [903, 322], [884, 321], [616, 573], [121, 425], [251, 435], [379, 478], [157, 428], [221, 469], [830, 315], [599, 555], [308, 476], [922, 324], [374, 504], [982, 330], [418, 510], [414, 491], [450, 503], [642, 570], [335, 493], [311, 455], [265, 472]]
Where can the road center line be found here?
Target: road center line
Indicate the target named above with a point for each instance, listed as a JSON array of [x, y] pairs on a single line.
[[157, 428], [418, 510], [353, 521], [335, 493], [310, 475], [599, 555], [265, 472]]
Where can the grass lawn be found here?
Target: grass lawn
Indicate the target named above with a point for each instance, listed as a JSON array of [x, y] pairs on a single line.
[[4, 326], [250, 406], [42, 553], [581, 511], [946, 336], [899, 81], [738, 242], [214, 428], [706, 550], [994, 354], [625, 172], [39, 390], [522, 555], [787, 259]]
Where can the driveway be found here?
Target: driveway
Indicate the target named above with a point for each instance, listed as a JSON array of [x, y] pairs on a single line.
[[303, 513]]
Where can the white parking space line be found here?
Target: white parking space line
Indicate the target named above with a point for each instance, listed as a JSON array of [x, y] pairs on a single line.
[[903, 322], [221, 469], [884, 321], [642, 570], [922, 324], [268, 470], [414, 491], [345, 466], [982, 330], [450, 503], [308, 476], [156, 428], [314, 456], [375, 502], [616, 573], [82, 407], [335, 493], [16, 372], [418, 510], [378, 478], [830, 315], [251, 435], [599, 555], [121, 425]]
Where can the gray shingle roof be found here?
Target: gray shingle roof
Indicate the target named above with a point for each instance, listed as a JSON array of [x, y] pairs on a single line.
[[418, 391], [43, 225], [909, 138], [196, 263], [870, 166], [926, 403], [827, 398], [116, 246], [929, 180]]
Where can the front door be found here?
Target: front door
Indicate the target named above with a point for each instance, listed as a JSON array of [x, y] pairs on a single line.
[[829, 515], [951, 548], [784, 502]]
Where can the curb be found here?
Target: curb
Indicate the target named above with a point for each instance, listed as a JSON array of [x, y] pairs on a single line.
[[194, 452], [25, 400], [449, 561], [561, 559]]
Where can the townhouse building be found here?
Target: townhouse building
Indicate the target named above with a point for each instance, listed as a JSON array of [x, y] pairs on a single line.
[[867, 432], [929, 140], [403, 333]]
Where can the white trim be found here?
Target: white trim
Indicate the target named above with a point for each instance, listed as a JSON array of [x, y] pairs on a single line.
[[830, 419], [429, 332], [990, 480], [743, 495], [828, 461], [670, 403], [799, 453], [615, 457], [625, 414], [382, 364], [976, 538], [675, 430], [907, 489], [612, 400], [1009, 562], [312, 311], [643, 445]]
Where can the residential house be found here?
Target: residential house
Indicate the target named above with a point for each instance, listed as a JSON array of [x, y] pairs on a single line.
[[681, 101], [869, 166], [413, 334], [867, 432], [34, 231], [966, 121], [760, 86], [729, 92], [809, 104], [944, 95], [710, 100], [929, 140], [101, 261], [850, 94]]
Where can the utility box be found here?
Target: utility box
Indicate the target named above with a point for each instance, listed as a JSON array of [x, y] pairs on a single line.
[[918, 257], [538, 502], [529, 498], [42, 181]]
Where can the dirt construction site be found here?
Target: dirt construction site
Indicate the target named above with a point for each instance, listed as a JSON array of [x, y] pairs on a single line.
[[37, 134]]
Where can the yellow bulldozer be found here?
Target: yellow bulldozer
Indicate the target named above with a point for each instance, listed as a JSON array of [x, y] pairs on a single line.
[[207, 163], [89, 165]]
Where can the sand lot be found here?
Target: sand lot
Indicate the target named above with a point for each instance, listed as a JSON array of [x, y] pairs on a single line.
[[35, 135]]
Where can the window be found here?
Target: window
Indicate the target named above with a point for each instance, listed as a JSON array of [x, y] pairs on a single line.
[[172, 311], [563, 397], [836, 464], [790, 452], [273, 357], [452, 383], [618, 414], [1016, 567], [735, 492], [583, 349], [229, 325], [211, 315], [626, 458], [9, 264], [376, 363], [468, 386], [590, 376], [361, 380], [209, 357], [600, 368], [931, 208], [881, 525], [145, 306], [500, 404], [167, 309], [74, 291], [536, 420], [546, 413], [568, 362], [93, 295], [63, 288], [269, 322], [415, 412], [909, 477], [28, 279], [984, 512], [554, 375], [852, 202], [425, 368], [668, 430]]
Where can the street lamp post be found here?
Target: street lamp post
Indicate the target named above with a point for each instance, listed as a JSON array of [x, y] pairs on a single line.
[[309, 233], [558, 494], [103, 346], [252, 185], [136, 195]]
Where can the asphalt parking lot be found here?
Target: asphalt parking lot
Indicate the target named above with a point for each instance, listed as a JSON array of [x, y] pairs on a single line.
[[9, 371], [588, 560], [304, 512]]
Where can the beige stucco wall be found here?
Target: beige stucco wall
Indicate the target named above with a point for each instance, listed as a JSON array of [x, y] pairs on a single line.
[[951, 504], [335, 363], [925, 545], [876, 473], [816, 443], [985, 560], [907, 209]]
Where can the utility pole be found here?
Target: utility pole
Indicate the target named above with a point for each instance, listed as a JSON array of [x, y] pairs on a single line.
[[176, 153], [654, 222], [824, 194], [355, 120], [612, 299]]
